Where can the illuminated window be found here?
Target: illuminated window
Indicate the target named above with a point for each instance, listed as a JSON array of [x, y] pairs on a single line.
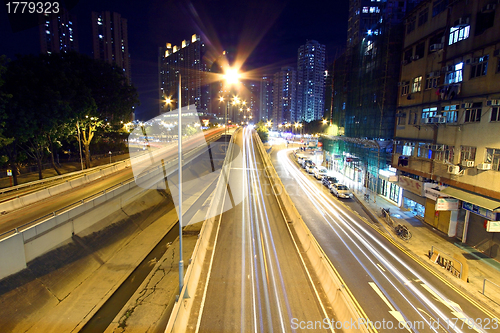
[[365, 10], [408, 150], [424, 151], [456, 75], [429, 112], [450, 112], [458, 34], [417, 84]]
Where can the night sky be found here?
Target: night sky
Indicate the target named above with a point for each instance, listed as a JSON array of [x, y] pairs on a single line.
[[265, 33]]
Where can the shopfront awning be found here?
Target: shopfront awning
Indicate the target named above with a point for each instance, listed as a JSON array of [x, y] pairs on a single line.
[[474, 199]]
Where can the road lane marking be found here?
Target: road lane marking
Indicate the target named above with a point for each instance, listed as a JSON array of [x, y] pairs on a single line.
[[450, 304], [396, 314], [415, 258], [381, 295], [382, 268]]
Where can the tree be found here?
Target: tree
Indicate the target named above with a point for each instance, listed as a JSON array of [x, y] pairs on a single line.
[[262, 131], [39, 107], [106, 98], [3, 101]]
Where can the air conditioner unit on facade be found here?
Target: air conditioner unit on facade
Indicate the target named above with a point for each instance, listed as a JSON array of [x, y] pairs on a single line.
[[453, 169], [441, 120], [484, 166], [435, 47], [415, 57], [468, 164], [428, 120], [462, 22]]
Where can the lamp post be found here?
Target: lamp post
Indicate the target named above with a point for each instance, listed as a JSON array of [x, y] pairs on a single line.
[[179, 158], [179, 145]]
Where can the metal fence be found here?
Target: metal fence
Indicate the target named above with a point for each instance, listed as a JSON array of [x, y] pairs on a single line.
[[59, 162]]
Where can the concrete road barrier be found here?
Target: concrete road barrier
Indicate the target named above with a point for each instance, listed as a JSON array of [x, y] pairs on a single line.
[[182, 308], [343, 303]]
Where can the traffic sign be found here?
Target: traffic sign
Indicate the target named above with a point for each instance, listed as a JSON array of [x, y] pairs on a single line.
[[9, 172]]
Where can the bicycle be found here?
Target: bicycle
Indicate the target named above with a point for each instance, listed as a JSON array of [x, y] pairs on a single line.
[[386, 212], [403, 232]]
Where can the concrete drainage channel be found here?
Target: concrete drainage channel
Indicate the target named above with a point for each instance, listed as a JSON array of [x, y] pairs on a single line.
[[105, 315]]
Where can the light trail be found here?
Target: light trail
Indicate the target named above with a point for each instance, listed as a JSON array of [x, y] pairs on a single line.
[[339, 221]]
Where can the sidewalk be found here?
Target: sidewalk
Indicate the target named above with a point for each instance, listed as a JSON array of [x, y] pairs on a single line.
[[425, 237], [63, 167]]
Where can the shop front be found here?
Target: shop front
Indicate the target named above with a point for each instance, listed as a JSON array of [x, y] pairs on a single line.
[[480, 214], [388, 186], [441, 210]]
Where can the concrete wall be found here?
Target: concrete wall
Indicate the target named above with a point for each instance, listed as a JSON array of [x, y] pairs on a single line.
[[39, 239], [12, 258]]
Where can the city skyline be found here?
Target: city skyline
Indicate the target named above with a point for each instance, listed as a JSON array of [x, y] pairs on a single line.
[[282, 27]]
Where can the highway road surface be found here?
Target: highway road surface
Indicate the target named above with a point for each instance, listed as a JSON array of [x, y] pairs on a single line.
[[396, 292], [257, 282]]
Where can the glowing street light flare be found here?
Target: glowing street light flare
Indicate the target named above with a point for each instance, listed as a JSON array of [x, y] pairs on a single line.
[[232, 76]]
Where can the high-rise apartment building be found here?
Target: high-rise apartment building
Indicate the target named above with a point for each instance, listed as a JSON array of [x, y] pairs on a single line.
[[310, 81], [110, 40], [445, 146], [59, 34], [185, 60], [284, 96], [251, 110], [266, 98], [365, 95]]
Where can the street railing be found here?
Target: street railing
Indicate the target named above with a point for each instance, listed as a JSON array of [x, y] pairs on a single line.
[[492, 283]]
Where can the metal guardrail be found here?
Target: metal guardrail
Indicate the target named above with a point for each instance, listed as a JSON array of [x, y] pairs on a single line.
[[63, 209], [484, 286], [56, 178], [84, 200], [446, 261]]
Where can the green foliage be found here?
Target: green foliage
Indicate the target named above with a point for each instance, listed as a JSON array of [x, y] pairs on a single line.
[[51, 94], [3, 101], [262, 131]]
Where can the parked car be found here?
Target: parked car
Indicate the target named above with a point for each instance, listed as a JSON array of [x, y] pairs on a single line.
[[328, 180], [309, 166], [300, 158], [341, 191], [307, 163], [320, 172]]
